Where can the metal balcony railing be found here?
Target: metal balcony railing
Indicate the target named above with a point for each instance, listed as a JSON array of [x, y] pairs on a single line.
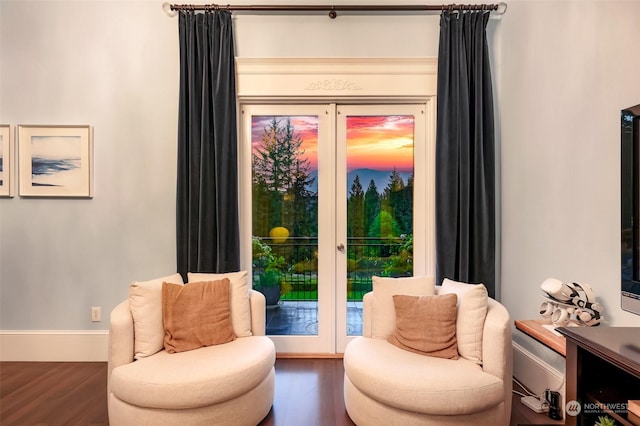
[[366, 257]]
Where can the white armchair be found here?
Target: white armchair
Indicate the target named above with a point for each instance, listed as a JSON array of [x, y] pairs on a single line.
[[225, 384], [384, 383]]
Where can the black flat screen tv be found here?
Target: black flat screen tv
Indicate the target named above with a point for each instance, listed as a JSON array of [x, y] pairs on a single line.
[[630, 208]]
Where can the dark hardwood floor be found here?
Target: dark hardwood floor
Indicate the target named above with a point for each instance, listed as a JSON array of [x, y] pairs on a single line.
[[53, 393], [308, 392]]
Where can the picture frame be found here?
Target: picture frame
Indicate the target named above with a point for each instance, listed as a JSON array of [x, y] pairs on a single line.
[[6, 161], [55, 161]]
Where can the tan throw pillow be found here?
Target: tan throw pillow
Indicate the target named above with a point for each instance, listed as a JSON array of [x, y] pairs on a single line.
[[145, 303], [196, 315], [383, 317], [426, 325], [240, 305], [472, 311]]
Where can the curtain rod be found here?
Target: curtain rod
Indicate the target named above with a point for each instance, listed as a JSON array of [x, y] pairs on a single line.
[[334, 9]]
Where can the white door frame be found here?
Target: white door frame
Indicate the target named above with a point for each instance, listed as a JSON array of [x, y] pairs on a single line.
[[327, 81], [323, 342]]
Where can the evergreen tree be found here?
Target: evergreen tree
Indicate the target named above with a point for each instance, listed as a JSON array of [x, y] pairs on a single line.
[[280, 178], [398, 201], [355, 210], [405, 210], [384, 226], [260, 209], [371, 205], [304, 206], [388, 200], [395, 182], [279, 161]]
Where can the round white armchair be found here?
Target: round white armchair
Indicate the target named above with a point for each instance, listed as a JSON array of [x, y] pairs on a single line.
[[384, 381], [224, 384]]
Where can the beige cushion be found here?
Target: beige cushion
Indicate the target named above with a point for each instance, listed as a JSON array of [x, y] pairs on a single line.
[[413, 382], [196, 315], [426, 325], [383, 319], [472, 311], [206, 376], [145, 302], [240, 309]]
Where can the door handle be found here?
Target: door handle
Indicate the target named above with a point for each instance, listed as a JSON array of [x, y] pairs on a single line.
[[340, 247]]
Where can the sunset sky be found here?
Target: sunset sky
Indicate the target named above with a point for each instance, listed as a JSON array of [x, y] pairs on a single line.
[[374, 142], [305, 126], [380, 142]]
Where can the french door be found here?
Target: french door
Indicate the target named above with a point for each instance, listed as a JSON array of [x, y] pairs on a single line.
[[328, 198]]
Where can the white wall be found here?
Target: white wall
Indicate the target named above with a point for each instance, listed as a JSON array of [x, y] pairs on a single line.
[[561, 74], [567, 70], [114, 65]]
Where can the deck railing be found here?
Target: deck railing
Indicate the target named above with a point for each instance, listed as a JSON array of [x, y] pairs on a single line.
[[365, 257]]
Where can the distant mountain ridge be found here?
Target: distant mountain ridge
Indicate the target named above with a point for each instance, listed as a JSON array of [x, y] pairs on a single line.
[[380, 177]]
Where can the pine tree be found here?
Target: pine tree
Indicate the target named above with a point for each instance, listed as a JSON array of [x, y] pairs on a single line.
[[371, 205], [355, 210], [281, 175], [395, 184], [279, 161], [398, 201], [384, 226]]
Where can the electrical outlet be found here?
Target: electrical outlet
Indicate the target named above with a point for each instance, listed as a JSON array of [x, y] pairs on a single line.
[[96, 314]]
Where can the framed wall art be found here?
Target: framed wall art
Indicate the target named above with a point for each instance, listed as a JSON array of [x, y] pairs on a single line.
[[55, 161], [6, 161]]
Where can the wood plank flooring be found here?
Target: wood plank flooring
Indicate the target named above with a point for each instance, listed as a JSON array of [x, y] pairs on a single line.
[[54, 393], [308, 393]]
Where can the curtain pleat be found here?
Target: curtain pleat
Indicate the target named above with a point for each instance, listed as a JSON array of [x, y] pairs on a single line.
[[207, 227], [465, 152]]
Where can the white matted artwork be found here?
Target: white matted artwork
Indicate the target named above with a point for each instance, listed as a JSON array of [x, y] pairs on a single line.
[[6, 161], [55, 161]]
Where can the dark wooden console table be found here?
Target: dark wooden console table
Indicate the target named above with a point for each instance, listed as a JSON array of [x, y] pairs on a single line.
[[603, 371]]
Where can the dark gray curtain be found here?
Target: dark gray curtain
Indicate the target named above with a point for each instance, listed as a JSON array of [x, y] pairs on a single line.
[[465, 153], [207, 194]]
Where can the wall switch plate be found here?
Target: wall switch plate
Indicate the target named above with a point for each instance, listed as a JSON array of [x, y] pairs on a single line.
[[535, 404], [96, 314]]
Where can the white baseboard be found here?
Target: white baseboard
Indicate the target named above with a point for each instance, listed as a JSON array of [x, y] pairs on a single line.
[[54, 345], [87, 345], [536, 374]]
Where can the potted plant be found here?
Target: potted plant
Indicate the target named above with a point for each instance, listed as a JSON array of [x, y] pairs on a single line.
[[268, 271], [605, 421]]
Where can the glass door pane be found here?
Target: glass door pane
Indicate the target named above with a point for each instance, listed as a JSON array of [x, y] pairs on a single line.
[[285, 220], [286, 254], [379, 202], [377, 193]]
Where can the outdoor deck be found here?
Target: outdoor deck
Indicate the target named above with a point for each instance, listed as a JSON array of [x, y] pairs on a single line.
[[293, 263], [301, 318]]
